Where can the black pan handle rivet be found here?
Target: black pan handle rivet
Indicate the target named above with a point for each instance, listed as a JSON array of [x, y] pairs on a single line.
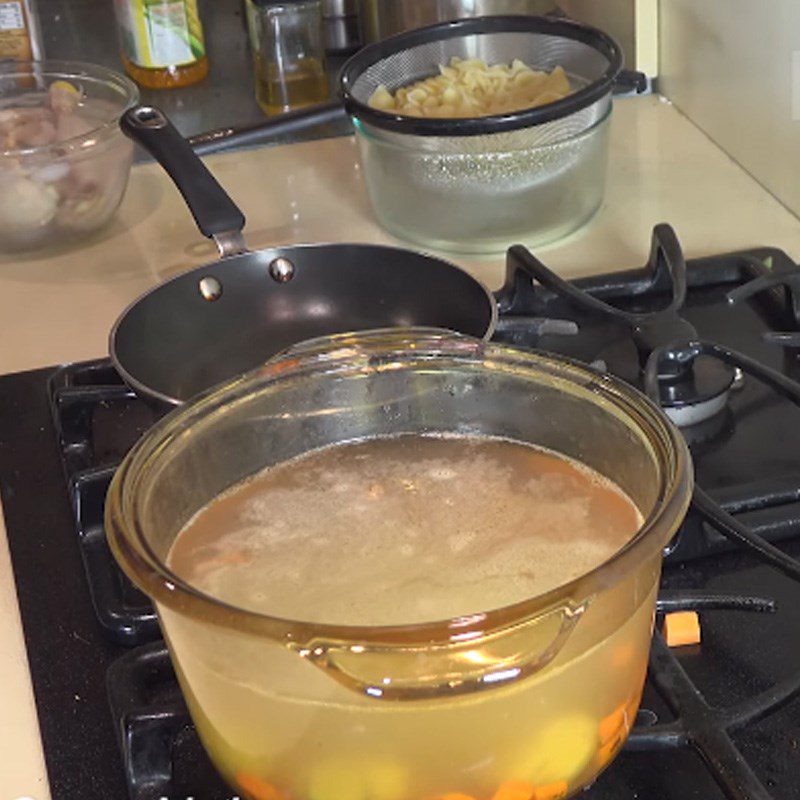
[[281, 269], [210, 288]]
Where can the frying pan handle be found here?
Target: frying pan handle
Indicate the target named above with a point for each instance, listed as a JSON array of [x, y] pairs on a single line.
[[213, 211]]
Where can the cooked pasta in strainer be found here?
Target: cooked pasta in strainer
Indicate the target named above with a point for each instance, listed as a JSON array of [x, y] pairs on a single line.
[[472, 88]]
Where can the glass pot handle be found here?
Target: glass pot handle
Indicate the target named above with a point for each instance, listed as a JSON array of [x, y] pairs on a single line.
[[469, 662]]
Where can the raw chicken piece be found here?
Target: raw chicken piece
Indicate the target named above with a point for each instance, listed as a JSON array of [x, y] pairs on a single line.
[[26, 127], [25, 207], [92, 188], [34, 134]]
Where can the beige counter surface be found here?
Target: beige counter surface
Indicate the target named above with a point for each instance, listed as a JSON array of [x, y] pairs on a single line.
[[59, 306]]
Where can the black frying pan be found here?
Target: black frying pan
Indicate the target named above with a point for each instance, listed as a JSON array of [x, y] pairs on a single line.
[[227, 317]]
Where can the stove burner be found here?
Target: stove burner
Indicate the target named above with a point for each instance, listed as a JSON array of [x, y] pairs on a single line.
[[691, 391], [705, 728], [149, 714], [710, 511], [97, 419], [714, 429], [147, 734], [691, 388]]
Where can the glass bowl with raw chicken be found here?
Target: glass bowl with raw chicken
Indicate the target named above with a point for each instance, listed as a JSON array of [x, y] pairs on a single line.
[[64, 163]]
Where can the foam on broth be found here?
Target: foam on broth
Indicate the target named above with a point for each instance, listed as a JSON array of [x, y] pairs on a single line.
[[404, 529]]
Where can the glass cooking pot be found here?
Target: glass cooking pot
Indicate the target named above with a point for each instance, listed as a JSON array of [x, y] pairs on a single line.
[[537, 697]]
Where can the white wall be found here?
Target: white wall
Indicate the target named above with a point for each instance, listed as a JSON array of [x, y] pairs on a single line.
[[613, 16], [733, 67]]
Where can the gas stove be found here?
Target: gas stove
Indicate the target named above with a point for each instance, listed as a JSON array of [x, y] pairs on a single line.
[[713, 340]]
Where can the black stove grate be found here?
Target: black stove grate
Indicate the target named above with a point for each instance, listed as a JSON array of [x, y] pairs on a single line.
[[97, 420], [705, 506], [743, 300], [698, 724]]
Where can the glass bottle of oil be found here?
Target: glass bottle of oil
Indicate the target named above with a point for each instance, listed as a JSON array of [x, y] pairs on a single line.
[[20, 37], [287, 40], [162, 42]]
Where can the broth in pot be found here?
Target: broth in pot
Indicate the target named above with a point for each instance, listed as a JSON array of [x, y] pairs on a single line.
[[400, 530]]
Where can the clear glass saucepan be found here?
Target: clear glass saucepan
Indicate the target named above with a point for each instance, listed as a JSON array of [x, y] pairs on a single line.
[[537, 697]]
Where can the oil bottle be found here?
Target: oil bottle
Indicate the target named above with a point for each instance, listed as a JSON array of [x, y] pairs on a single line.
[[162, 42], [287, 40], [20, 38]]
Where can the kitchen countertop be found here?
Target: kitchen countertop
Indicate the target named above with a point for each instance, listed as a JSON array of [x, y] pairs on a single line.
[[59, 306]]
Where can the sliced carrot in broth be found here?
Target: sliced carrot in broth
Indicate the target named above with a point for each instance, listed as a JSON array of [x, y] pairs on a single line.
[[619, 721], [612, 725], [455, 796], [514, 790], [553, 791], [615, 727], [631, 710], [258, 789], [608, 750]]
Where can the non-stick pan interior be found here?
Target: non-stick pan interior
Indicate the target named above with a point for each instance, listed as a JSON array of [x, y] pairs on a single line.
[[174, 343]]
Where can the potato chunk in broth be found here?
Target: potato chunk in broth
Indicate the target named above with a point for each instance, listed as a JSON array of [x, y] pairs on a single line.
[[404, 529]]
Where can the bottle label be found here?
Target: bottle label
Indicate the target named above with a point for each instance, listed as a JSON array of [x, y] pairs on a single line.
[[15, 42], [160, 33], [11, 16]]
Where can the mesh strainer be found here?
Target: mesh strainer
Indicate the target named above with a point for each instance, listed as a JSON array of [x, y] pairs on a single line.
[[591, 59]]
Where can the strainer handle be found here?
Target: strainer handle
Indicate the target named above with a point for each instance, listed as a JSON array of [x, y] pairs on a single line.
[[632, 80], [282, 125]]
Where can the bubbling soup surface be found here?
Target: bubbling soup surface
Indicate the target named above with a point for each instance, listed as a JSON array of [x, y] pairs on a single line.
[[404, 529]]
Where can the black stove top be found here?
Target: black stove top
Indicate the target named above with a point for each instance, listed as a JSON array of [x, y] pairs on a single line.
[[718, 720]]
